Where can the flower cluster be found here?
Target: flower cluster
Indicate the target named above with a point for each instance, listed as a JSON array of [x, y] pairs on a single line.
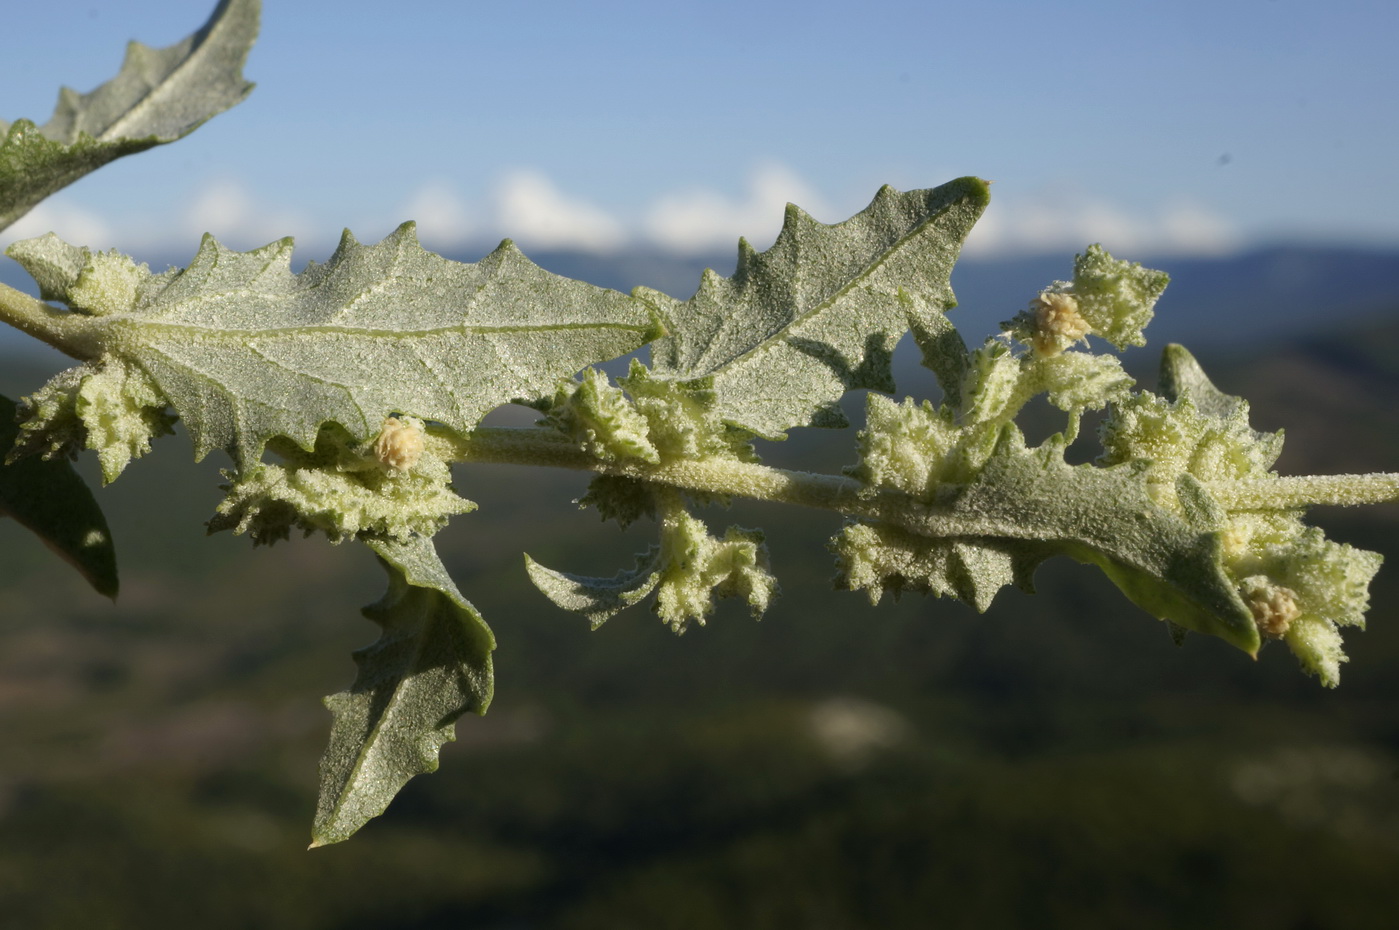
[[391, 488]]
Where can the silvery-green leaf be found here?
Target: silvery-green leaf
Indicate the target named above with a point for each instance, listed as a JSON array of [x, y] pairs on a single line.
[[245, 350], [431, 665], [598, 598], [944, 354], [1181, 376], [819, 313], [1025, 505], [158, 96], [50, 499], [1170, 564]]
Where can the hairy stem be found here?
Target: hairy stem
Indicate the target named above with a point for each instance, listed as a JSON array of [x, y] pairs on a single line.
[[66, 331], [539, 446], [1307, 490]]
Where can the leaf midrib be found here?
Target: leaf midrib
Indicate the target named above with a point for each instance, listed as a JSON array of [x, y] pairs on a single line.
[[884, 256]]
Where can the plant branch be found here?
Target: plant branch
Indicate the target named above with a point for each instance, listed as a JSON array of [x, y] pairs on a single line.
[[546, 447], [1306, 490], [64, 330]]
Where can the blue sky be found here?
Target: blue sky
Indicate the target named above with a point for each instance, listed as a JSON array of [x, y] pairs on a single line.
[[1183, 127]]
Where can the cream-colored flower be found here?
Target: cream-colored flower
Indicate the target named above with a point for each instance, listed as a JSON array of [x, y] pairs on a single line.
[[400, 443], [1058, 323]]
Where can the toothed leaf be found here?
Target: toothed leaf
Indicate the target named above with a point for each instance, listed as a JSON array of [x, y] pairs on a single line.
[[158, 96], [1024, 505], [823, 307], [431, 665], [244, 350]]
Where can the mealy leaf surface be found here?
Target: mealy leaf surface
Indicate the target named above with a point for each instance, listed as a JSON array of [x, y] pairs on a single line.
[[431, 665], [1025, 505], [158, 96], [245, 350], [819, 313], [598, 599]]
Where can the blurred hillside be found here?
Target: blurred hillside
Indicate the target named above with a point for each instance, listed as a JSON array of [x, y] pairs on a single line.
[[1056, 762]]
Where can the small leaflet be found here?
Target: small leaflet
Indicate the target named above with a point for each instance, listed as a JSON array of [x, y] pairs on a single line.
[[598, 599], [49, 498]]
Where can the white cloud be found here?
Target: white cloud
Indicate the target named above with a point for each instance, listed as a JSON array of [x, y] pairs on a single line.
[[530, 207], [702, 220], [239, 220], [73, 225], [444, 221], [1190, 228], [532, 210], [1054, 223]]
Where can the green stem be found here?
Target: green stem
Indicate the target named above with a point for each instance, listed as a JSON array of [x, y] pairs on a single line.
[[66, 331], [539, 446], [1294, 492]]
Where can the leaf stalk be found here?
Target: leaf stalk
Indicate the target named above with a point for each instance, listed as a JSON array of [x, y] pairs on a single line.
[[64, 330]]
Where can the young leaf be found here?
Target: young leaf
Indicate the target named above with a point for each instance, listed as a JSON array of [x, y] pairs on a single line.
[[50, 499], [431, 665], [598, 599], [159, 95], [819, 313], [1024, 505], [883, 559], [245, 350]]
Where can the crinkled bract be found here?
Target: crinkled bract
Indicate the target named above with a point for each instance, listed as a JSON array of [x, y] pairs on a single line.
[[341, 492], [108, 283], [700, 567], [1176, 438], [884, 560], [1107, 297], [1115, 297], [645, 419], [107, 406], [602, 420], [1329, 585], [1299, 585]]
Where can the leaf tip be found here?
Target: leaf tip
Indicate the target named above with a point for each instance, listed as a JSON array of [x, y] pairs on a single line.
[[407, 232], [978, 189]]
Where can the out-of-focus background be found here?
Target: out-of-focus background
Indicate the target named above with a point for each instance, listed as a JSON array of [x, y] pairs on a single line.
[[1056, 762]]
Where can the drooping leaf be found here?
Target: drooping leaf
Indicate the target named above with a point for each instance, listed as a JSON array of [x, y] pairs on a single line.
[[49, 498], [598, 599], [245, 350], [159, 95], [431, 665], [1024, 505], [819, 313]]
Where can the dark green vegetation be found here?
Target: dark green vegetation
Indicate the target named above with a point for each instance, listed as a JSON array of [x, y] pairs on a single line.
[[1054, 763]]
